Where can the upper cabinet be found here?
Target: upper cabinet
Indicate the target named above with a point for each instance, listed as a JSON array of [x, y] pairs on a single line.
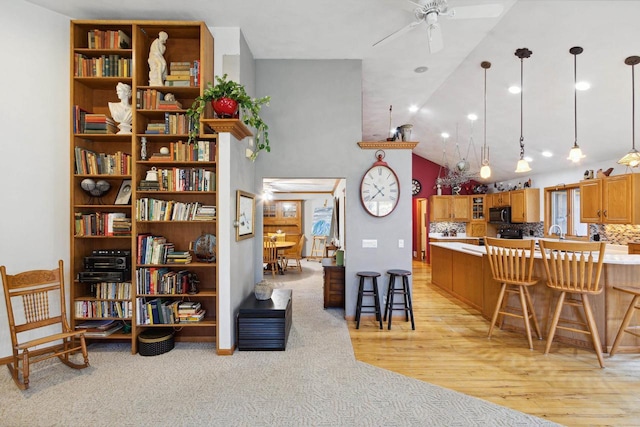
[[525, 205], [284, 216], [450, 208], [498, 199], [610, 200]]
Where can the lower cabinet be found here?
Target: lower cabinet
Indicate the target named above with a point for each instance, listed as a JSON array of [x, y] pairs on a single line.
[[333, 283], [264, 324]]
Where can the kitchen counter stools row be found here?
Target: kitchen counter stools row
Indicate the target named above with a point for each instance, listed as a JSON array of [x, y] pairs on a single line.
[[393, 291]]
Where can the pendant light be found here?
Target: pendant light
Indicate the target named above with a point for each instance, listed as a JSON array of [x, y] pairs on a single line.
[[523, 165], [575, 155], [632, 158], [485, 170]]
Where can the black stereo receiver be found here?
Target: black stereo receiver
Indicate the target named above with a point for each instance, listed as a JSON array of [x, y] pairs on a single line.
[[104, 276], [107, 262]]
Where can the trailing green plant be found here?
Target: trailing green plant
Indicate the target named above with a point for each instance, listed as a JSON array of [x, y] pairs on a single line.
[[249, 109]]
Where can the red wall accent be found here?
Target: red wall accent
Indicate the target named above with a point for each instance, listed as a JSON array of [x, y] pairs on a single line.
[[426, 172]]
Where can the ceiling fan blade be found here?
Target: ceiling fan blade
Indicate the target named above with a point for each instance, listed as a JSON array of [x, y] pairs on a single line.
[[434, 35], [478, 11], [396, 33]]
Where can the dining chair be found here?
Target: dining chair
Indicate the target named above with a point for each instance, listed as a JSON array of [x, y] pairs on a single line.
[[573, 269], [270, 255], [511, 262], [296, 256], [38, 326]]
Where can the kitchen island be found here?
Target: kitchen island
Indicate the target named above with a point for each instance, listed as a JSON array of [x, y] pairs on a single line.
[[463, 270]]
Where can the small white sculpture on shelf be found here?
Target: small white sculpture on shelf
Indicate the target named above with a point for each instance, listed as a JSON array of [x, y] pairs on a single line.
[[157, 63], [121, 111]]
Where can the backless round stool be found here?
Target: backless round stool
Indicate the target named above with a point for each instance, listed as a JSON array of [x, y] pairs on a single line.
[[373, 292], [402, 290]]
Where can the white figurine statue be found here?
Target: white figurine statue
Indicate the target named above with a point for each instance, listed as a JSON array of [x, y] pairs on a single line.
[[157, 63], [121, 111]]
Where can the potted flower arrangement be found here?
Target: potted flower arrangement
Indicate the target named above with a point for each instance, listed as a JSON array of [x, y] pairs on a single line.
[[229, 99]]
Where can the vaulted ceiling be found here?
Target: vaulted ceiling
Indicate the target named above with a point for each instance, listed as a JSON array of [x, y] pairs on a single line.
[[453, 85]]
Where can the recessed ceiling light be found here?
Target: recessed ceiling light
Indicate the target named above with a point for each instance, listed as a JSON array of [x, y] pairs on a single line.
[[583, 85], [444, 135], [514, 89], [528, 159], [547, 153], [420, 69], [472, 117], [413, 108]]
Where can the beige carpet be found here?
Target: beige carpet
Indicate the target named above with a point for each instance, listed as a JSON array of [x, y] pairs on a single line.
[[315, 382]]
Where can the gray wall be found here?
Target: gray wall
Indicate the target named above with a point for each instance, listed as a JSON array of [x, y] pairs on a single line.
[[315, 121]]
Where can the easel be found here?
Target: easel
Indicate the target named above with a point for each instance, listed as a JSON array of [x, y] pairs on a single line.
[[317, 248]]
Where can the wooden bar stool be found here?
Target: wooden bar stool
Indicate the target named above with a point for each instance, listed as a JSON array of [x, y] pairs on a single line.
[[404, 291], [624, 327], [511, 262], [574, 269], [373, 292]]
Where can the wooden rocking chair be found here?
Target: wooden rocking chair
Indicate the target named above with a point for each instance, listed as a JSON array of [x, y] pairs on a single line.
[[32, 299]]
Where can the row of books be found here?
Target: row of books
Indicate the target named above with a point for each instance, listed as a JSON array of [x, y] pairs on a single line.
[[91, 163], [101, 66], [186, 179], [164, 312], [92, 123], [173, 124], [150, 209], [156, 250], [153, 99], [100, 328], [89, 309], [108, 39], [162, 280], [102, 224], [183, 73], [179, 151], [111, 290]]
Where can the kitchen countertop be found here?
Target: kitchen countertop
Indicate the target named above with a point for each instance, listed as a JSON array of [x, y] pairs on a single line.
[[458, 236], [614, 254]]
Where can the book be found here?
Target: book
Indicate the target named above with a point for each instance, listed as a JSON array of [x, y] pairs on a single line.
[[96, 325], [104, 333]]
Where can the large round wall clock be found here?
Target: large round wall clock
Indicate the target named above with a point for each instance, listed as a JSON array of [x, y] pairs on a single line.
[[379, 189]]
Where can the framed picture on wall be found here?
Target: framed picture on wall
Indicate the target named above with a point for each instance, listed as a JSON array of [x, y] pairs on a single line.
[[245, 215]]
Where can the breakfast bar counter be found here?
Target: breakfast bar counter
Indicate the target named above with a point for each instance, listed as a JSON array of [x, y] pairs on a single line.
[[463, 270]]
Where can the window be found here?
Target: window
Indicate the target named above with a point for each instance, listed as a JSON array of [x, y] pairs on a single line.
[[562, 208]]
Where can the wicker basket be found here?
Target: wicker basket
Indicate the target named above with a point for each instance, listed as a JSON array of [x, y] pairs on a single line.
[[155, 342]]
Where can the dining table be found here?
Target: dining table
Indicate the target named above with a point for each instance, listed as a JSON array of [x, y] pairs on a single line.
[[281, 246]]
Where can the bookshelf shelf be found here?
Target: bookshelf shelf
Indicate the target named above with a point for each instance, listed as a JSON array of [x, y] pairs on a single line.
[[189, 44]]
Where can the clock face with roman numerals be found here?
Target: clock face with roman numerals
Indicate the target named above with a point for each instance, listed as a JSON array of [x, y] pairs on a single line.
[[379, 190]]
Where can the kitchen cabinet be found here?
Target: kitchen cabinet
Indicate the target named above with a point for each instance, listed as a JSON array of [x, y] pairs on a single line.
[[477, 229], [450, 208], [498, 199], [610, 200], [525, 205], [478, 211]]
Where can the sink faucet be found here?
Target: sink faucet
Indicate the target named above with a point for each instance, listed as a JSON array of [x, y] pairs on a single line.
[[560, 235]]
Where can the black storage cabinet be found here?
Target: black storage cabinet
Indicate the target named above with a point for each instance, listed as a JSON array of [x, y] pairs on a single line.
[[264, 324]]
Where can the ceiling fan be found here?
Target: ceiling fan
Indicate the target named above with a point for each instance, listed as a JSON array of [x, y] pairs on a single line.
[[430, 11]]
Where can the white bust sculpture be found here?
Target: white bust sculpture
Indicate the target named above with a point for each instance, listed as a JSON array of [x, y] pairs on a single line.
[[121, 111], [157, 63]]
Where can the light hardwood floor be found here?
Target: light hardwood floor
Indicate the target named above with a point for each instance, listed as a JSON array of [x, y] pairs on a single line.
[[450, 348]]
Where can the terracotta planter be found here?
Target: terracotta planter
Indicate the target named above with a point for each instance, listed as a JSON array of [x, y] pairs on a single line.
[[225, 108]]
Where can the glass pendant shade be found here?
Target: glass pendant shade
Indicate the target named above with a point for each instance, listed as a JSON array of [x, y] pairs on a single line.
[[522, 166], [575, 155], [485, 171], [632, 158]]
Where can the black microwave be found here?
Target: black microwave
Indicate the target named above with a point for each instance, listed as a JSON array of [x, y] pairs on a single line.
[[500, 215]]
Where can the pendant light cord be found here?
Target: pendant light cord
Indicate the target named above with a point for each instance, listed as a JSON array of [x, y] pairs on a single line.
[[484, 148], [521, 107], [575, 101], [633, 107]]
